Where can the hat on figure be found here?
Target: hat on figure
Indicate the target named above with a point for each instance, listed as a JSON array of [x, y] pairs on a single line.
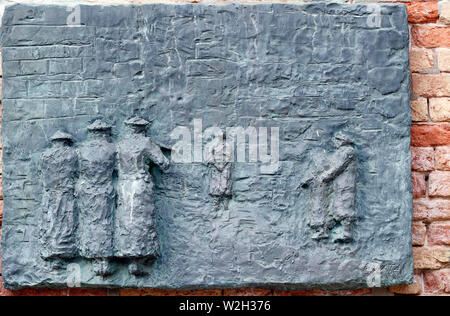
[[137, 121], [99, 125], [59, 135]]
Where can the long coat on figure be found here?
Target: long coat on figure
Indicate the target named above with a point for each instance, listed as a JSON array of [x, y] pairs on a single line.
[[58, 168], [135, 229], [96, 196]]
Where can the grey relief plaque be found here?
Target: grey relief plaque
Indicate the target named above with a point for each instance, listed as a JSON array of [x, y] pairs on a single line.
[[194, 146]]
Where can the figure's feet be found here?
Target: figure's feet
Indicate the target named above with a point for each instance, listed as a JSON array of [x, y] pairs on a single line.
[[136, 268], [56, 264], [102, 267], [319, 233], [343, 233]]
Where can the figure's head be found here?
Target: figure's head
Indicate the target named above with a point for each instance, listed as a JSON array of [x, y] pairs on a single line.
[[340, 139], [61, 139], [137, 124], [99, 128]]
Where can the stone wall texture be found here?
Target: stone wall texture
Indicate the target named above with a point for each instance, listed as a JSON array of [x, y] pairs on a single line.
[[430, 149]]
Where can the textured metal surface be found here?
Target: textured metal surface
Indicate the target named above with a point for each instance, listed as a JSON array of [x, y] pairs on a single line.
[[333, 78]]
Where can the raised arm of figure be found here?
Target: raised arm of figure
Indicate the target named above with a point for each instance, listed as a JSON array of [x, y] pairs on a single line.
[[341, 161], [156, 155]]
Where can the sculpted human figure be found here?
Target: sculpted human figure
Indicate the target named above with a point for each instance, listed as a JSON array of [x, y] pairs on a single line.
[[135, 230], [333, 194], [96, 197], [219, 157], [58, 168]]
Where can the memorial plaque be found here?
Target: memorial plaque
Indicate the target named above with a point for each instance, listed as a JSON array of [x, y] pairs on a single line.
[[206, 146]]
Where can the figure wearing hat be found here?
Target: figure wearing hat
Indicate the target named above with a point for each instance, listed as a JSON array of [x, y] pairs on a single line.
[[135, 231], [219, 155], [96, 197], [58, 167], [333, 194]]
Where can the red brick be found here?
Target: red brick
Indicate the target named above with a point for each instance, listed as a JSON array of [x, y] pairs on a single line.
[[430, 135], [422, 12], [431, 258], [323, 293], [421, 59], [436, 282], [430, 36], [422, 158], [442, 161], [409, 289], [439, 233], [247, 292], [158, 292], [32, 292], [419, 185], [431, 85], [439, 184], [419, 232], [431, 210], [87, 292]]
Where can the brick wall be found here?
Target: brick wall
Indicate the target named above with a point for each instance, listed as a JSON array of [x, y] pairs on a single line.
[[430, 67]]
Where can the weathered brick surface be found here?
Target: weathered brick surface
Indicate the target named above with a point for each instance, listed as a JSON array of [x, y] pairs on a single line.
[[431, 85], [322, 293], [431, 258], [442, 158], [87, 292], [158, 292], [247, 292], [430, 36], [419, 232], [440, 109], [437, 282], [421, 59], [444, 12], [443, 59], [419, 110], [430, 210], [430, 135], [422, 158], [422, 12], [419, 185], [439, 233], [439, 184]]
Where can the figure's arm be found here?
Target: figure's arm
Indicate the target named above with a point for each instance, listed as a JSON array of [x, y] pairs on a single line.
[[307, 180], [156, 156], [342, 159]]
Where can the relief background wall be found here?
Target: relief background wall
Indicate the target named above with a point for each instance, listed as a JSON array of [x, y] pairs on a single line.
[[430, 65]]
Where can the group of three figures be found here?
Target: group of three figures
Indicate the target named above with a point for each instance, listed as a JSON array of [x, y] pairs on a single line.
[[98, 198]]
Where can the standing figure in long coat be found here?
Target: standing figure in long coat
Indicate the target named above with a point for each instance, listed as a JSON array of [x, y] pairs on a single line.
[[96, 197], [333, 194], [219, 157], [135, 231], [58, 167]]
